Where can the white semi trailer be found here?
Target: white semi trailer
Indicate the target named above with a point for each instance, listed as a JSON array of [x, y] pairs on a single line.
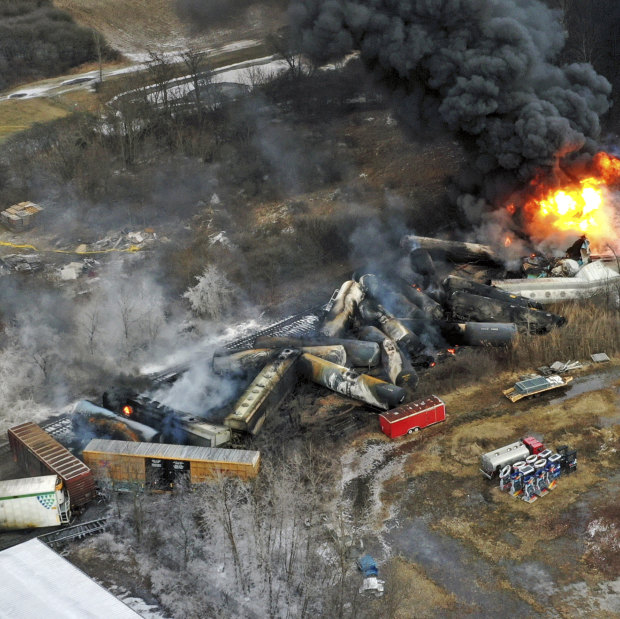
[[33, 502]]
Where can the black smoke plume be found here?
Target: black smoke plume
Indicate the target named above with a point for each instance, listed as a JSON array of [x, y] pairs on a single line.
[[484, 69]]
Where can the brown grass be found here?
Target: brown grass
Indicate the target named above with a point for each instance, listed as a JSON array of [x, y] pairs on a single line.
[[16, 115], [134, 25], [590, 329]]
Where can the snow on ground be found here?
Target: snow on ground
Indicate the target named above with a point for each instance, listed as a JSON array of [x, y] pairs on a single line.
[[80, 81]]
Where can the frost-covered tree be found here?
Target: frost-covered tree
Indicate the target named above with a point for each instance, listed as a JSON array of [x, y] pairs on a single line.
[[213, 294]]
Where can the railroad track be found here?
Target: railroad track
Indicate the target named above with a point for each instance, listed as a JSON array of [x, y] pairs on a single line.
[[303, 324], [77, 531], [59, 428]]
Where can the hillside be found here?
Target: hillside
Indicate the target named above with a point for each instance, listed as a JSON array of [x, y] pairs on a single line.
[[131, 26]]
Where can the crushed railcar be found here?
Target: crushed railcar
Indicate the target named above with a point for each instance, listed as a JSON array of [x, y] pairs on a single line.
[[38, 453], [265, 393], [33, 502], [156, 466]]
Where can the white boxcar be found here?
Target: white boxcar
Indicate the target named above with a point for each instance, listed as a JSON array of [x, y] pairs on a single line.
[[33, 502]]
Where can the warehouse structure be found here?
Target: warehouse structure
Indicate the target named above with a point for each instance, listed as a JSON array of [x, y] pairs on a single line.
[[155, 466], [37, 582]]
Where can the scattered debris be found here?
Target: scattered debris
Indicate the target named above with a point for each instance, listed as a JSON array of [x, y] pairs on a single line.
[[557, 367], [23, 263], [20, 216], [599, 357]]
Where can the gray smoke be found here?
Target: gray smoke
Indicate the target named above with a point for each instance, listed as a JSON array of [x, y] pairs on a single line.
[[485, 69]]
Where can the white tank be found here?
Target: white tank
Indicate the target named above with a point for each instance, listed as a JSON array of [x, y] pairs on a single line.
[[493, 461]]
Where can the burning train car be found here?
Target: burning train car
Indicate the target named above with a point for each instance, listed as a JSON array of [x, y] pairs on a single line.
[[40, 454], [124, 465], [169, 424]]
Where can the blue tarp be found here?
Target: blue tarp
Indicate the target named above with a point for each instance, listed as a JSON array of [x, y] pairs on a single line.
[[367, 566]]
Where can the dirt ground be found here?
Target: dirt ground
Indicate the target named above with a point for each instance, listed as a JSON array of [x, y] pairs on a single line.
[[481, 549]]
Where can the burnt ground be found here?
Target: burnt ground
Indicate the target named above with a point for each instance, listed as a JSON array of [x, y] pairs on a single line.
[[423, 499]]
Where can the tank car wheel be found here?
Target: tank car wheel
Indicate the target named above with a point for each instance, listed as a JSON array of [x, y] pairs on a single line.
[[410, 431], [416, 429]]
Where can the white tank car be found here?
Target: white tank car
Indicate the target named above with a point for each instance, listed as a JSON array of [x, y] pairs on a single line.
[[33, 502], [493, 461]]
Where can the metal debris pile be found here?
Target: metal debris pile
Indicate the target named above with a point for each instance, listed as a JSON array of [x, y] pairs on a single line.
[[20, 263], [558, 367], [124, 240]]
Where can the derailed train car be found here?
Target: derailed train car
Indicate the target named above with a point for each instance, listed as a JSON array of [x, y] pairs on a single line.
[[125, 466], [265, 393], [39, 453], [33, 502], [345, 381]]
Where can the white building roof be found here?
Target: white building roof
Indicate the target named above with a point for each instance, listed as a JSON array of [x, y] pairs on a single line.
[[37, 582]]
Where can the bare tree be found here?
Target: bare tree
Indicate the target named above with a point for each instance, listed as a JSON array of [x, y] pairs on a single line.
[[286, 47], [161, 69], [197, 63], [91, 326], [99, 43]]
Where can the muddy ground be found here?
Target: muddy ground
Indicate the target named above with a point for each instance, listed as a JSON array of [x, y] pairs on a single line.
[[466, 548]]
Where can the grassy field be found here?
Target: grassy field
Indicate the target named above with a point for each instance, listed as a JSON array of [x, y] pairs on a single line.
[[135, 25], [16, 115]]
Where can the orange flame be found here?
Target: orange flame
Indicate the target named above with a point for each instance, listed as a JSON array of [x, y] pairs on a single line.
[[581, 206], [127, 410], [507, 242]]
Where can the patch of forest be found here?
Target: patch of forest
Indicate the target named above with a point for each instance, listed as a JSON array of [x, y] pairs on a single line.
[[39, 40]]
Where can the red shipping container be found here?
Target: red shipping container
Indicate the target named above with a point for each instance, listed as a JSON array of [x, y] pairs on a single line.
[[39, 454], [412, 417]]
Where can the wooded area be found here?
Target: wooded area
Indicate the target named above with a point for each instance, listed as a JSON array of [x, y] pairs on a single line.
[[37, 40]]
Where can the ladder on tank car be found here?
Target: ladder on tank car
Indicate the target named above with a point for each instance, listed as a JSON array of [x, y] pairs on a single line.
[[77, 531]]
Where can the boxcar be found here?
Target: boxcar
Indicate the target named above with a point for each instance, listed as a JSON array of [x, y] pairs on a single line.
[[412, 417], [155, 466], [33, 502], [39, 454]]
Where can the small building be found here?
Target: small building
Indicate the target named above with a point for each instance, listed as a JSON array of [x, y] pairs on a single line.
[[412, 417], [156, 466], [20, 216]]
